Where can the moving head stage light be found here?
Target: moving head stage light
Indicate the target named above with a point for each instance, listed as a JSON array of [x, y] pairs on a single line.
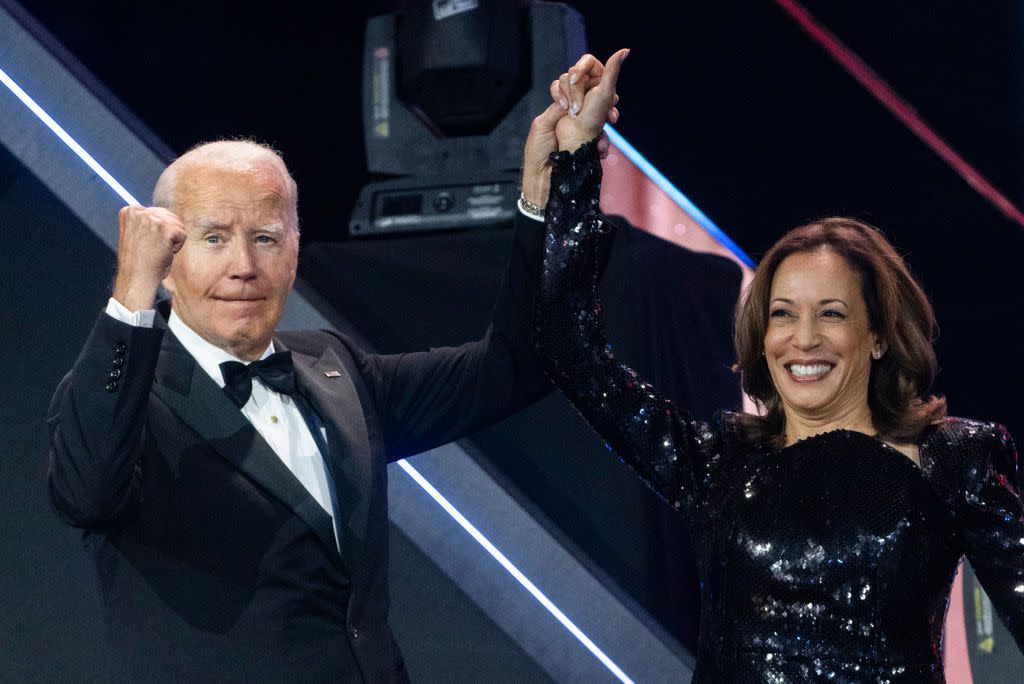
[[449, 90]]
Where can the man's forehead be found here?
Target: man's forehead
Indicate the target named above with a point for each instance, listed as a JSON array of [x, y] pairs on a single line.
[[265, 176], [229, 188]]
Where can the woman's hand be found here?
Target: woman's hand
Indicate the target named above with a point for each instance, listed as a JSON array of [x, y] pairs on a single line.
[[587, 94], [572, 101]]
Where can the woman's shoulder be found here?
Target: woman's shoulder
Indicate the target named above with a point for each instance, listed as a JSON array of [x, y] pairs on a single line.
[[965, 447], [723, 422], [712, 436], [966, 434], [725, 426]]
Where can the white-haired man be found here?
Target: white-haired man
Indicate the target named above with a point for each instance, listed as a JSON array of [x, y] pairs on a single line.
[[231, 480]]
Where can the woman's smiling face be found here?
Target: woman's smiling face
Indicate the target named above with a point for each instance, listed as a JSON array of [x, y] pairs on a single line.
[[818, 342]]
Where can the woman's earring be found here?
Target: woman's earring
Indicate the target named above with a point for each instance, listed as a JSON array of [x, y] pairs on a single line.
[[877, 354]]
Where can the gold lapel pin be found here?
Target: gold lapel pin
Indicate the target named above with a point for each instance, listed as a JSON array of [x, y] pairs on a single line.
[[332, 374]]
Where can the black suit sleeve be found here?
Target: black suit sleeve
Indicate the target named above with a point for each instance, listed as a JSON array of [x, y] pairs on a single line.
[[96, 422], [429, 398]]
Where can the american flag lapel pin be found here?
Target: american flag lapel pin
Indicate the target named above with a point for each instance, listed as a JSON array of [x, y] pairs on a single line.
[[332, 374]]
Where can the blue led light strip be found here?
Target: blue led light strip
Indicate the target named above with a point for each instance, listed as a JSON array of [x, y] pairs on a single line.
[[513, 570], [65, 138], [679, 198], [412, 472]]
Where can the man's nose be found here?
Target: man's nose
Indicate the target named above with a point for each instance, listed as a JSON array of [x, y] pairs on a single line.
[[243, 261]]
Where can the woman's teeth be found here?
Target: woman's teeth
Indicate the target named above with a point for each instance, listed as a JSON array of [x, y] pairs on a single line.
[[802, 371]]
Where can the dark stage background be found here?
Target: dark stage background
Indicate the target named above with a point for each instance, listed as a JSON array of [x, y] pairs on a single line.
[[729, 99]]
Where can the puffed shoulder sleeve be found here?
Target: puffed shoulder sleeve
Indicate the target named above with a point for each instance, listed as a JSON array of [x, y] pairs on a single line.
[[991, 519], [665, 447]]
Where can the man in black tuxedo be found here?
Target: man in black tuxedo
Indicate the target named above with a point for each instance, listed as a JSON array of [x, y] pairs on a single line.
[[231, 480]]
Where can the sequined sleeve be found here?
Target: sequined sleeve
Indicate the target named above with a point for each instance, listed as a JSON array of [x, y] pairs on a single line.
[[653, 437], [992, 521]]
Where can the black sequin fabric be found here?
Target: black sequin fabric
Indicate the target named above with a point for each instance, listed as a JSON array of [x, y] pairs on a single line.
[[829, 560]]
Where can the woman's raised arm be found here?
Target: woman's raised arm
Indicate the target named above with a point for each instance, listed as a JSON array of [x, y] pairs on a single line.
[[665, 447]]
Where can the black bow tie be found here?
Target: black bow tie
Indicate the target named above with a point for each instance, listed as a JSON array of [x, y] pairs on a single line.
[[276, 372]]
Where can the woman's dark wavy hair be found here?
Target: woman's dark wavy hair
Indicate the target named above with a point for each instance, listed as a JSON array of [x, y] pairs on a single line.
[[898, 311]]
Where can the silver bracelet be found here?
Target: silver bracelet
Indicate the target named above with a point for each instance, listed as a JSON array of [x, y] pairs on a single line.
[[530, 209]]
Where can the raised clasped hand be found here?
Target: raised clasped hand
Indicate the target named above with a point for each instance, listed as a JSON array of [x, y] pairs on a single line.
[[583, 98], [587, 95]]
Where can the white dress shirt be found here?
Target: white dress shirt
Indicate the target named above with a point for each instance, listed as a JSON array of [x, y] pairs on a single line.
[[274, 415]]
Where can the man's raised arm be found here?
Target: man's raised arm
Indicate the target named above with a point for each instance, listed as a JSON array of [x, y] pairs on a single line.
[[97, 415]]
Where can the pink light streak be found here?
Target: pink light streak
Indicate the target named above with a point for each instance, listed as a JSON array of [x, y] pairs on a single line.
[[899, 108]]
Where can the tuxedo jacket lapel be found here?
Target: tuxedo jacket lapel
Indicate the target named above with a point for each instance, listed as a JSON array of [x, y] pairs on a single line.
[[329, 387], [194, 397]]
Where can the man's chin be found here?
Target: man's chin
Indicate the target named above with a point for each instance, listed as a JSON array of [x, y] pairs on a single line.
[[247, 349], [238, 334]]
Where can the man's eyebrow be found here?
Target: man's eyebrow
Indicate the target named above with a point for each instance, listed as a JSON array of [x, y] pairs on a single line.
[[207, 223], [270, 228]]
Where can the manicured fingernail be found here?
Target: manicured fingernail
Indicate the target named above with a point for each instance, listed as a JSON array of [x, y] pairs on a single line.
[[564, 103], [575, 108], [573, 78]]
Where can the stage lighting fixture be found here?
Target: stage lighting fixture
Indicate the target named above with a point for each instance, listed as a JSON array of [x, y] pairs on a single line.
[[449, 90]]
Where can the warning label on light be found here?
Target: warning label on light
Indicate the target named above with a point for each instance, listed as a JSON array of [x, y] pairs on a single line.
[[381, 93]]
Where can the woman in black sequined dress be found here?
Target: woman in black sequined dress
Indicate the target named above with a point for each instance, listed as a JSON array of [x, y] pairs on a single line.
[[828, 530]]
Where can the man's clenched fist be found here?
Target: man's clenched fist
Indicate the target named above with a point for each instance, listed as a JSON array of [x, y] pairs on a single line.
[[149, 239]]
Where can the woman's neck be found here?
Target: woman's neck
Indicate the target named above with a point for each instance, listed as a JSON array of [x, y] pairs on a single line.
[[800, 426]]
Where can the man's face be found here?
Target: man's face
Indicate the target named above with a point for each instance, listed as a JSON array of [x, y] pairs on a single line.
[[232, 276]]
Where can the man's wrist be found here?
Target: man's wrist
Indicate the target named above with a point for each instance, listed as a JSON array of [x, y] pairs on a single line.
[[529, 209], [135, 298], [143, 318], [136, 303], [537, 188]]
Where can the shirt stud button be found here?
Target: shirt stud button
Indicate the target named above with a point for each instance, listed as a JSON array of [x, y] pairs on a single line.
[[111, 386]]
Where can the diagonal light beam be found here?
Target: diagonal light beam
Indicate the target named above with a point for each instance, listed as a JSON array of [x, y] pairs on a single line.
[[66, 138], [658, 178], [513, 570]]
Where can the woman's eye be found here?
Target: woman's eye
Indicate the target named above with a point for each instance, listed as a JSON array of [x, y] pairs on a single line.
[[778, 313], [832, 313]]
